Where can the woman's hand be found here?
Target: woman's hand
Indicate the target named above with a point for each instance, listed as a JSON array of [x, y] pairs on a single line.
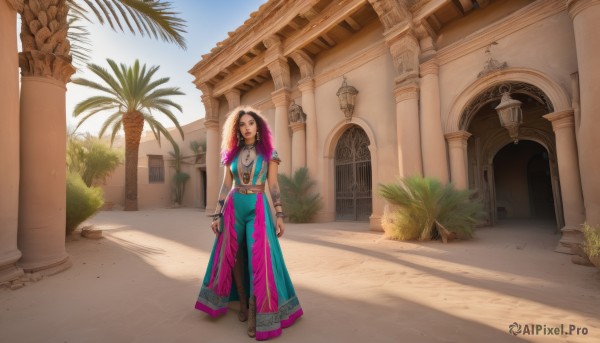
[[215, 226], [279, 227]]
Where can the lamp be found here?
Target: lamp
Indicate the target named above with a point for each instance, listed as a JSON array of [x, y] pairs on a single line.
[[509, 111], [346, 96]]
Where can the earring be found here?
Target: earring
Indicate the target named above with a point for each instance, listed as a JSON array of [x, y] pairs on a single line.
[[257, 135]]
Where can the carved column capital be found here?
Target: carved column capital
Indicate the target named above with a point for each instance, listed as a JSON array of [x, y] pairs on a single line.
[[561, 119], [458, 138], [205, 88], [431, 67], [280, 72], [577, 6], [297, 126], [211, 106], [404, 48], [391, 13], [211, 124], [281, 98], [305, 63], [406, 91], [306, 85], [233, 98]]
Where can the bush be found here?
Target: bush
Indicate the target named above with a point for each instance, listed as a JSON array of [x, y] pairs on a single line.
[[427, 210], [299, 205], [82, 201], [178, 186], [591, 239], [91, 158]]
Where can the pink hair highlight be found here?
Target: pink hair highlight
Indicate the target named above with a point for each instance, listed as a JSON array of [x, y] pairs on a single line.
[[230, 144]]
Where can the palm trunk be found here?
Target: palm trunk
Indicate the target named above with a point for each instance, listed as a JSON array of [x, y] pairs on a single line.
[[133, 125]]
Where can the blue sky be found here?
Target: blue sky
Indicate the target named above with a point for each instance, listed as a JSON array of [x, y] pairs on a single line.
[[207, 23]]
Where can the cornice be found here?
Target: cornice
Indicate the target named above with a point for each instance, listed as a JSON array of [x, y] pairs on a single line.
[[458, 136], [561, 119], [518, 20], [16, 5]]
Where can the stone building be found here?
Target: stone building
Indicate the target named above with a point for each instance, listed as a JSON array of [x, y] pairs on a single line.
[[429, 78]]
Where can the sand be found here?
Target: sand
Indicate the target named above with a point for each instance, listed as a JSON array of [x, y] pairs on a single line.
[[140, 282]]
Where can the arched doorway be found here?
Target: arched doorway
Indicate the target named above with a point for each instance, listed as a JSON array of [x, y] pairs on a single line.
[[523, 182], [513, 180], [353, 198]]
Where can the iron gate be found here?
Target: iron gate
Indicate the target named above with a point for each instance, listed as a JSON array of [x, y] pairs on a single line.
[[353, 199]]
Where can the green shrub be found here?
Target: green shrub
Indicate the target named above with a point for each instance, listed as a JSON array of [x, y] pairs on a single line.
[[591, 240], [82, 201], [178, 186], [427, 209], [298, 203], [91, 158]]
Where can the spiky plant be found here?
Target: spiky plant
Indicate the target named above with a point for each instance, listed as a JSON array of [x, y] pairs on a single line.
[[425, 205], [299, 203]]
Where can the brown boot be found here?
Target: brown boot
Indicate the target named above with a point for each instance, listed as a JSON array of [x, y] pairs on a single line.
[[238, 277], [252, 318]]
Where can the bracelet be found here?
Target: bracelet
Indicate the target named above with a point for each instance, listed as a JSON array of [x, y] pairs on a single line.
[[221, 202], [276, 204], [216, 215], [279, 214]]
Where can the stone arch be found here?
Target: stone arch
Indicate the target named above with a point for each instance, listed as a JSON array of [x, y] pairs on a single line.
[[329, 147], [555, 93]]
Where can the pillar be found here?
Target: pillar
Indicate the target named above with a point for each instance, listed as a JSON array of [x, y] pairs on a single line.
[[433, 144], [213, 147], [407, 130], [298, 146], [457, 146], [9, 141], [586, 16], [45, 69], [563, 124]]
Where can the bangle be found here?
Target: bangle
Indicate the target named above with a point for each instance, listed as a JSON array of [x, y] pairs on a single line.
[[216, 215], [221, 202], [279, 214]]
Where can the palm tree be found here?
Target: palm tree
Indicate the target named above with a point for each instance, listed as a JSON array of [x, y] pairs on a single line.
[[131, 95]]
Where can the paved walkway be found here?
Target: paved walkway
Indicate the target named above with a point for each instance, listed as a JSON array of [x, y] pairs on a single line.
[[139, 284]]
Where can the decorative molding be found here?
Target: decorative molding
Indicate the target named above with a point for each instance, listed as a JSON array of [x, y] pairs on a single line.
[[404, 48], [280, 72], [211, 107], [491, 65], [577, 6], [344, 67], [516, 21], [233, 98], [298, 126], [296, 113], [561, 119], [305, 63], [211, 124], [430, 67], [281, 97], [391, 13], [306, 85], [458, 138], [409, 91]]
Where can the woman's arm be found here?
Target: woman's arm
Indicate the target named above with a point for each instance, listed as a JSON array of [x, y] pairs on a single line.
[[276, 196], [225, 188]]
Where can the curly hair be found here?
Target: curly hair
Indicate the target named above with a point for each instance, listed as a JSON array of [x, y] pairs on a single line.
[[230, 145]]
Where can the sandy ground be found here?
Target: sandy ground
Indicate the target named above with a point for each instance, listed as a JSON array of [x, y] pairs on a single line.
[[140, 282]]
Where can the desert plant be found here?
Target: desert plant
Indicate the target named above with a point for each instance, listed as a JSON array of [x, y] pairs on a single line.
[[180, 178], [91, 158], [425, 205], [591, 240], [82, 201], [198, 147], [299, 204]]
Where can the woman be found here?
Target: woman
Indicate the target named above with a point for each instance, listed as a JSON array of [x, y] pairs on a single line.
[[246, 246]]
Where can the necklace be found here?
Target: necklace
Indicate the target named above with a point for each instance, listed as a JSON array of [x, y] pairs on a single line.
[[247, 156]]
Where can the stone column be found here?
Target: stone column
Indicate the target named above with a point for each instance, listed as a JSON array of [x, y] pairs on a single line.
[[407, 130], [433, 144], [45, 69], [280, 72], [298, 146], [586, 16], [307, 86], [9, 141], [457, 143], [563, 124], [213, 147], [233, 98], [281, 100]]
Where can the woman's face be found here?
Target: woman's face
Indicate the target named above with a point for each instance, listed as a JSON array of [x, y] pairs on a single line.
[[248, 127]]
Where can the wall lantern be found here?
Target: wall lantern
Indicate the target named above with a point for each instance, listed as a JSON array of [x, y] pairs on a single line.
[[509, 111], [346, 96]]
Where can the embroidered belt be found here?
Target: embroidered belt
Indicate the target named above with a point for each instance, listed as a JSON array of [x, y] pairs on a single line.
[[250, 189]]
